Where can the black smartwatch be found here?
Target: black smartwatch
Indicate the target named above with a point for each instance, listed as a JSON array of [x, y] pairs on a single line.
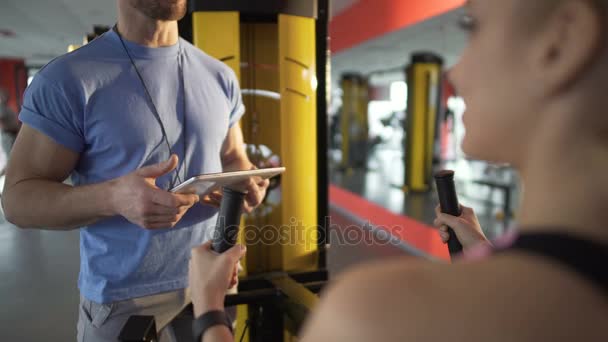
[[208, 320]]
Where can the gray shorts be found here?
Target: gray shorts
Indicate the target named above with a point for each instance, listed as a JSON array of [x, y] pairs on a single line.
[[103, 322]]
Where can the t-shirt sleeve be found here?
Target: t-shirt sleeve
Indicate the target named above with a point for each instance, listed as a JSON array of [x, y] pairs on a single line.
[[50, 110], [236, 99]]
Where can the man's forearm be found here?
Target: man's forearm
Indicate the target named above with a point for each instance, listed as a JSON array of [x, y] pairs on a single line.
[[236, 160], [46, 204], [234, 157]]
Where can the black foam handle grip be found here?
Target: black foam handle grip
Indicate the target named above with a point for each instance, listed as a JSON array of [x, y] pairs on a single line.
[[448, 200], [228, 220]]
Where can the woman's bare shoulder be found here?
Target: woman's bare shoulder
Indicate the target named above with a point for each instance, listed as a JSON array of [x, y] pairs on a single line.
[[508, 297]]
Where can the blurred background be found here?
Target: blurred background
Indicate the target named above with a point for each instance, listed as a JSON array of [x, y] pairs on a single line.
[[393, 119]]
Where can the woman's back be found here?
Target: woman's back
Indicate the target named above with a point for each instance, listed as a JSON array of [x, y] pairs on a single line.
[[511, 296]]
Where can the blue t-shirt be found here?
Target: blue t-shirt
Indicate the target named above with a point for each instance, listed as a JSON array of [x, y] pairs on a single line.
[[92, 102]]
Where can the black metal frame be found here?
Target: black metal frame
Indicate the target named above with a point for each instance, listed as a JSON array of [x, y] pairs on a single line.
[[269, 302], [185, 27], [322, 41]]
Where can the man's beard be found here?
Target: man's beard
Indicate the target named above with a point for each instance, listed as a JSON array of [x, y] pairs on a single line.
[[162, 9]]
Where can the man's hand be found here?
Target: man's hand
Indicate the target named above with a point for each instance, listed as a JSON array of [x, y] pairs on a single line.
[[234, 158], [255, 188], [137, 198], [211, 275]]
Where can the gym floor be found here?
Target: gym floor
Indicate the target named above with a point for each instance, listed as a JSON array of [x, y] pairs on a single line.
[[38, 273], [381, 182]]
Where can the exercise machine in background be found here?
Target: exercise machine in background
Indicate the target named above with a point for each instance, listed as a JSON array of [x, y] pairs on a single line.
[[354, 124], [422, 148]]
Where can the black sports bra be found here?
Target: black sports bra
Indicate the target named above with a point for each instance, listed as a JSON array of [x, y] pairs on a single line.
[[587, 258]]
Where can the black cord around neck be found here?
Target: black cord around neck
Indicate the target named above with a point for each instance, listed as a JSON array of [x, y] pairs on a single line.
[[155, 110]]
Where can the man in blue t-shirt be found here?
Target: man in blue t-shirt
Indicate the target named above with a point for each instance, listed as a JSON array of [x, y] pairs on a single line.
[[128, 116]]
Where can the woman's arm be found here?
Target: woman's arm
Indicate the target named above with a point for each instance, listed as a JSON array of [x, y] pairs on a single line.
[[211, 275]]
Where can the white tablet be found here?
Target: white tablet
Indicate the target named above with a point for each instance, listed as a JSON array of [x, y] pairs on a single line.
[[205, 184]]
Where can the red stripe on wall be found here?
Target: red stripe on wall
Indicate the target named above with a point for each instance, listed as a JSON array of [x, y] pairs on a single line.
[[368, 19], [13, 79], [412, 232]]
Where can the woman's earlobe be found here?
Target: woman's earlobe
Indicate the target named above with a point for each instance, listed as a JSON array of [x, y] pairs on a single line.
[[570, 44]]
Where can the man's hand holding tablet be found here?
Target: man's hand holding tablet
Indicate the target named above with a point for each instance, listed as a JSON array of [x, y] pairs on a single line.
[[208, 186]]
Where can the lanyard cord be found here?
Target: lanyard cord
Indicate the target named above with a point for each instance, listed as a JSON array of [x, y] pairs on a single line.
[[155, 111]]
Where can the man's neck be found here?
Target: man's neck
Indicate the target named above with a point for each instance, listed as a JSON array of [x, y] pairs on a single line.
[[135, 27]]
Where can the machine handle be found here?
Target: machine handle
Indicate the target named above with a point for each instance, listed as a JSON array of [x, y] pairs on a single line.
[[228, 220], [448, 201], [139, 329]]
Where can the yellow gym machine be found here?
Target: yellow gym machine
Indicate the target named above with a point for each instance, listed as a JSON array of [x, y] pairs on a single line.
[[354, 121], [423, 110]]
